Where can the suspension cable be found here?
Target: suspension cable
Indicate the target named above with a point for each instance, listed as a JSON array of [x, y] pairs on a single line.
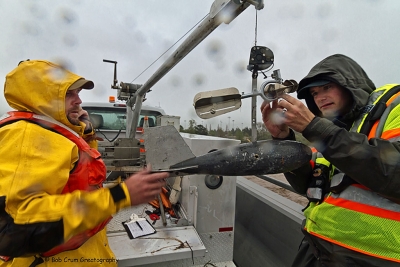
[[255, 31], [170, 48]]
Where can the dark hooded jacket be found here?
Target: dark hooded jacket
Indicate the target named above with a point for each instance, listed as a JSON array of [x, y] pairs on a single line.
[[374, 163]]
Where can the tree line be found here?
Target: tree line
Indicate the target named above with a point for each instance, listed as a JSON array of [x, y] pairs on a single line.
[[244, 135]]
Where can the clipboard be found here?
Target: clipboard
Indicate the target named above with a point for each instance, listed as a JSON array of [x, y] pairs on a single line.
[[138, 227]]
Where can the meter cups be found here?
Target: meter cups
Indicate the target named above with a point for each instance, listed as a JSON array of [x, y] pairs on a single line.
[[271, 91]]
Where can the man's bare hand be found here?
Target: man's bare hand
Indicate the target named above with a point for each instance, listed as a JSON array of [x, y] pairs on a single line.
[[144, 186], [297, 116], [84, 117], [273, 119], [285, 113]]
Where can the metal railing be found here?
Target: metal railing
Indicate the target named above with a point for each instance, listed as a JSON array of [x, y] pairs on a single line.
[[277, 182]]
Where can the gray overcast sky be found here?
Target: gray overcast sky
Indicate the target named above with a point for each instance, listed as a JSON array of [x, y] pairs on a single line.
[[82, 33]]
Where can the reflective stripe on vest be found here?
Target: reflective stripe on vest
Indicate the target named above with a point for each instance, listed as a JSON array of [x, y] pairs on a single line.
[[357, 218], [88, 174], [363, 221], [391, 104]]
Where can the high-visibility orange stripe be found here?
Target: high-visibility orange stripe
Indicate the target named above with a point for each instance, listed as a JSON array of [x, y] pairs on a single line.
[[352, 248], [361, 186], [392, 98], [391, 133], [373, 130], [312, 163], [396, 131], [364, 208]]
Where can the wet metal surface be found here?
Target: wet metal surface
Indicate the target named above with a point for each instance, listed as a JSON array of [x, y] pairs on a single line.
[[257, 158]]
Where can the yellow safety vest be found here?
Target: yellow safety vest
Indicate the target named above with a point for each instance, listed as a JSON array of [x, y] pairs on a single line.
[[358, 218]]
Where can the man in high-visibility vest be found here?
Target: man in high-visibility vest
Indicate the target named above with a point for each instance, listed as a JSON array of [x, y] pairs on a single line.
[[53, 207], [353, 179]]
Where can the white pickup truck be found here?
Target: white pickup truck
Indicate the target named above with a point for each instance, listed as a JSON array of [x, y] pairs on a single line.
[[110, 119]]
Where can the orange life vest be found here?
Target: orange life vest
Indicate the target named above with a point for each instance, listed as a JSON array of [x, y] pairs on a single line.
[[88, 174]]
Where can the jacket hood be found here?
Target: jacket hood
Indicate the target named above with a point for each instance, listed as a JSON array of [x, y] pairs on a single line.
[[40, 87], [343, 71]]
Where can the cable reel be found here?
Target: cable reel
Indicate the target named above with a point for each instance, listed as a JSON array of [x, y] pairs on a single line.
[[261, 58]]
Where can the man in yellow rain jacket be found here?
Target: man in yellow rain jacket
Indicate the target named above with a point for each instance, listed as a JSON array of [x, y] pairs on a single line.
[[53, 208]]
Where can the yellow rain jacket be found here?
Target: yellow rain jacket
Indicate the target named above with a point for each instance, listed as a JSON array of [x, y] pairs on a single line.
[[35, 165]]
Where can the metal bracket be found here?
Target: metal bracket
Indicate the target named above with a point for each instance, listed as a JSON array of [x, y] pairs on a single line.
[[258, 4], [193, 197]]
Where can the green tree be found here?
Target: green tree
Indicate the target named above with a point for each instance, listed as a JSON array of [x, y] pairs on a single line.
[[246, 131], [239, 135], [200, 129], [220, 133], [192, 124]]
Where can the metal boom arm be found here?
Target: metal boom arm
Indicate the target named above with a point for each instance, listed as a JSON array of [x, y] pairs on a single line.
[[220, 10]]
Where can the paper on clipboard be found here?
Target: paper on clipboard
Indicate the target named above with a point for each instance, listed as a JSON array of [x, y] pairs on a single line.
[[137, 227]]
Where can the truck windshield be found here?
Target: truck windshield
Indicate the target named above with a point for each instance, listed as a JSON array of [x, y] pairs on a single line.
[[115, 118]]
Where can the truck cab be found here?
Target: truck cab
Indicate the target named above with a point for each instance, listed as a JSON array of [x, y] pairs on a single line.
[[110, 118]]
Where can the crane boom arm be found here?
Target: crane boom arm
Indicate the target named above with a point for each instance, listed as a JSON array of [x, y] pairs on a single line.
[[221, 11]]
